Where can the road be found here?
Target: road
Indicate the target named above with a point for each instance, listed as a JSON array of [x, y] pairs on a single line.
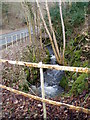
[[16, 35]]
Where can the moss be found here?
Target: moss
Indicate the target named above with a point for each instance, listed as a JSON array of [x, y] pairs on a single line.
[[74, 76], [24, 87], [34, 76], [27, 73], [79, 85], [47, 58], [64, 82], [47, 52], [34, 58], [74, 54], [85, 64], [77, 54], [75, 59], [77, 64]]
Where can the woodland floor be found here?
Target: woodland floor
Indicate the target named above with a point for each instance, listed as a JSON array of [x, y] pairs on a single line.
[[16, 107]]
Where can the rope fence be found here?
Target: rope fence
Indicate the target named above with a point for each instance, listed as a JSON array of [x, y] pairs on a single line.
[[38, 65], [43, 100]]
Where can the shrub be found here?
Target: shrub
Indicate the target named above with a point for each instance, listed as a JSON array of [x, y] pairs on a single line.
[[64, 82]]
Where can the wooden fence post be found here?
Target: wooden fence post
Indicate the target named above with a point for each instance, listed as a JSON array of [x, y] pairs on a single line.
[[20, 36], [6, 42], [27, 36], [12, 40], [24, 37], [42, 89], [16, 39]]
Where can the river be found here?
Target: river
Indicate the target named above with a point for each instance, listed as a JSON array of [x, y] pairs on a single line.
[[51, 79]]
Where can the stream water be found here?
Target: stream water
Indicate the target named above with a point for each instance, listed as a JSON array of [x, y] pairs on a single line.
[[51, 79]]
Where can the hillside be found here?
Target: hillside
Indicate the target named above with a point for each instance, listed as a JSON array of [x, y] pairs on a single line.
[[12, 17]]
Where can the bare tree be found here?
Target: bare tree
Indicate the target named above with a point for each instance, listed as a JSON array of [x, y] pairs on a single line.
[[54, 37], [40, 31], [27, 19], [63, 28], [34, 20], [50, 37], [30, 23]]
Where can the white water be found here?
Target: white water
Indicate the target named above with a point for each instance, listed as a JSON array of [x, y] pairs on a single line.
[[51, 80]]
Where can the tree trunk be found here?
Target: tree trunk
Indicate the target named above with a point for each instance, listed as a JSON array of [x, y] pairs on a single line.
[[27, 20], [54, 37], [51, 40], [40, 31], [63, 28]]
